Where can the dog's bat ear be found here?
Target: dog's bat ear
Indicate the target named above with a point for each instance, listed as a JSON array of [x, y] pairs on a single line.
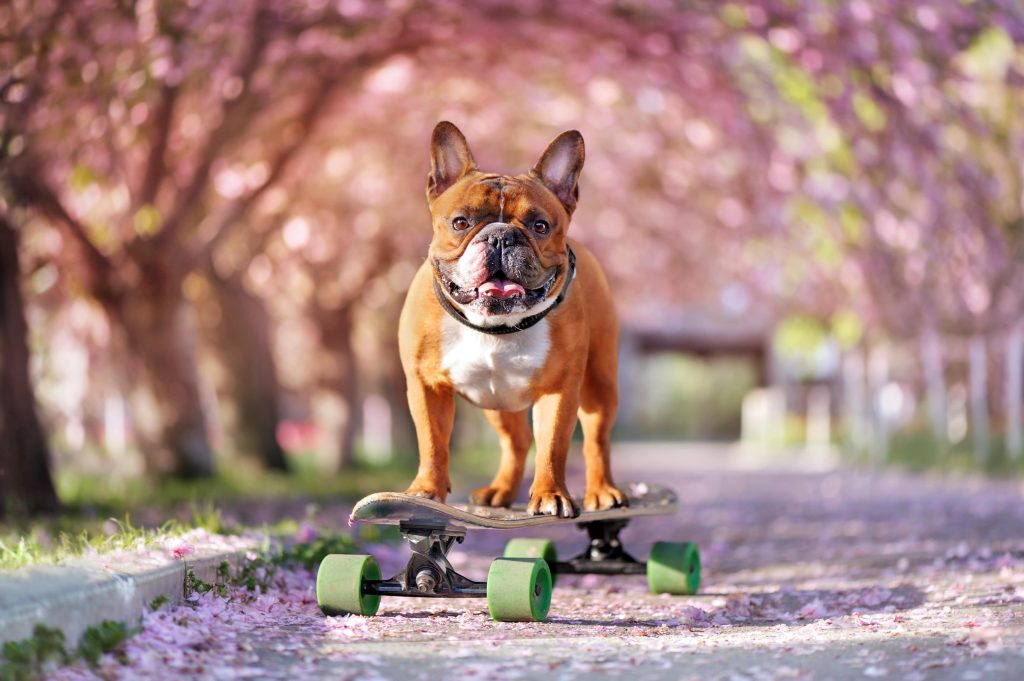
[[560, 165], [450, 158]]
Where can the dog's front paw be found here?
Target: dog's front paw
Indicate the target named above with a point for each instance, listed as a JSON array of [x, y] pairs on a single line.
[[552, 502], [431, 489], [492, 496], [604, 497]]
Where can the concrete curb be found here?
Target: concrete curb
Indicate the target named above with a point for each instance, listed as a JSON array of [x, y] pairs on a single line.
[[78, 594]]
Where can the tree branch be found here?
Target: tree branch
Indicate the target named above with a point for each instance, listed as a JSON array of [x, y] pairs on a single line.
[[156, 163], [35, 192], [229, 127], [403, 43], [234, 211]]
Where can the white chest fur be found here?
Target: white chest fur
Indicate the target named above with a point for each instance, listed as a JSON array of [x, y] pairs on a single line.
[[493, 372]]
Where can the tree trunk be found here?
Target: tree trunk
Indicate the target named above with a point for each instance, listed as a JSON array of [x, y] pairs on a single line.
[[161, 334], [243, 344], [339, 420], [878, 378], [935, 387], [1014, 383], [978, 369], [854, 402], [25, 482]]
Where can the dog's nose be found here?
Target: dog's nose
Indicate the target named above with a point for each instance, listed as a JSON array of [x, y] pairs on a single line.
[[498, 236], [501, 239]]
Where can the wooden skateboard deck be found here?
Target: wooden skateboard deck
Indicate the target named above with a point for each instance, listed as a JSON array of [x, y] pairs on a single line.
[[394, 508]]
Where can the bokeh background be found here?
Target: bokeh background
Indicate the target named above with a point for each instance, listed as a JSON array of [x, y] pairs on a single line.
[[812, 214]]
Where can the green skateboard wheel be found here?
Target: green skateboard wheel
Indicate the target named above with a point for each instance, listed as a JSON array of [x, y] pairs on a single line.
[[339, 585], [519, 589], [534, 548], [674, 568]]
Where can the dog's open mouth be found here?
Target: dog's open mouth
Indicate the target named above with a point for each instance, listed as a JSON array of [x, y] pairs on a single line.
[[499, 289]]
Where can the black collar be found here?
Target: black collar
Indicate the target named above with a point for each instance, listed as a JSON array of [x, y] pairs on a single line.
[[524, 323]]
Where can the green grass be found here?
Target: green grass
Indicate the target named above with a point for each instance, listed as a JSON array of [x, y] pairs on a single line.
[[99, 495], [47, 542], [257, 574], [92, 503], [58, 539], [917, 450], [102, 495]]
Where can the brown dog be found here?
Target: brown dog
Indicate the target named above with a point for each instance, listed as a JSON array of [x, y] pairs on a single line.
[[509, 313]]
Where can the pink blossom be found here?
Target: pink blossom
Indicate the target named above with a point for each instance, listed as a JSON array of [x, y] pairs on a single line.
[[180, 548]]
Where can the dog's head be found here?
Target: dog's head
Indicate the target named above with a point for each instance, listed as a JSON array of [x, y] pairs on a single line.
[[499, 246]]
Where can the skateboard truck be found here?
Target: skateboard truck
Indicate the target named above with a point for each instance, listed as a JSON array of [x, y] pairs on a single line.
[[428, 574], [604, 554]]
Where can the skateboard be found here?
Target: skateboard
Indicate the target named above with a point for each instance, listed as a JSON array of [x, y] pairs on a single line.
[[518, 586]]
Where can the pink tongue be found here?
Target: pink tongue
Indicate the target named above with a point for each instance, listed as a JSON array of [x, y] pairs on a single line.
[[501, 288]]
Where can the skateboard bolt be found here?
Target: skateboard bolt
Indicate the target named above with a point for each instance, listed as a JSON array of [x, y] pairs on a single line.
[[426, 580]]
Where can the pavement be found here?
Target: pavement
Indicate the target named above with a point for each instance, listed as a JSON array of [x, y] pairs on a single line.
[[809, 573]]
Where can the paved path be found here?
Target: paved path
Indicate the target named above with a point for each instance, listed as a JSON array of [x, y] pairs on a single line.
[[825, 575]]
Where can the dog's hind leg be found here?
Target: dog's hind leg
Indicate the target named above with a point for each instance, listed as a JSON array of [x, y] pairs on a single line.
[[515, 438]]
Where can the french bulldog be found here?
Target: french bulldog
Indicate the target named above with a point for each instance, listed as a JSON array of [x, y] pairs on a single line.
[[510, 313]]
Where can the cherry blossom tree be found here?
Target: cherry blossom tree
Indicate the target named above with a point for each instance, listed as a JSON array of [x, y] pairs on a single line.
[[146, 132], [911, 180], [259, 166]]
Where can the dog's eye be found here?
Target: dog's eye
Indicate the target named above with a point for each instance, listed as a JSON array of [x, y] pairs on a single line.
[[460, 223], [541, 227]]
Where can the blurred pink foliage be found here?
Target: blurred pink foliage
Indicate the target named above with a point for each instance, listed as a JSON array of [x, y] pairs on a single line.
[[863, 157], [853, 130]]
